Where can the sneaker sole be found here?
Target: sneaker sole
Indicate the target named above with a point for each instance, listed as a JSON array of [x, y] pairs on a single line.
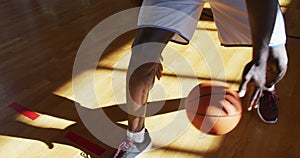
[[148, 148]]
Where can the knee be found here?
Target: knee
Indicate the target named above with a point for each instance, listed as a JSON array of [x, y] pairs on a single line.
[[141, 81], [146, 51], [144, 72]]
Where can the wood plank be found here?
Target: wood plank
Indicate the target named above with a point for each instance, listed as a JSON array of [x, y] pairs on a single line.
[[292, 19], [38, 45]]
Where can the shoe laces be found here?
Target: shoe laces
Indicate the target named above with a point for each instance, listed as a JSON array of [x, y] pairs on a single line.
[[124, 146], [270, 97]]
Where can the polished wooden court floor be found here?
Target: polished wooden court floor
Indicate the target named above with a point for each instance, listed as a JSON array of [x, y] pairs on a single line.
[[41, 116]]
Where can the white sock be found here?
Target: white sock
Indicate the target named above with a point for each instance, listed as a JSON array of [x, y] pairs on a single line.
[[136, 136], [270, 89]]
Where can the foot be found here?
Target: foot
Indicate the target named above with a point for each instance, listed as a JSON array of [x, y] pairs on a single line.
[[267, 108], [130, 149]]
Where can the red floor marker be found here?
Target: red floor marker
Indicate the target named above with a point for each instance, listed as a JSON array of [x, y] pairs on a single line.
[[24, 111], [84, 143]]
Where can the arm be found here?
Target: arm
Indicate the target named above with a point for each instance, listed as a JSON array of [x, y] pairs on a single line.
[[262, 16]]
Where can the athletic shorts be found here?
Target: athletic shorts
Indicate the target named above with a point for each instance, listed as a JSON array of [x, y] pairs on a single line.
[[182, 17]]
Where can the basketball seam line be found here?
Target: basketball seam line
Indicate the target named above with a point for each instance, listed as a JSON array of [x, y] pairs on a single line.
[[214, 115], [204, 95]]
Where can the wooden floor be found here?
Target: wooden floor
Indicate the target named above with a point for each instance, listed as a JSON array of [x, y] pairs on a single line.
[[39, 41]]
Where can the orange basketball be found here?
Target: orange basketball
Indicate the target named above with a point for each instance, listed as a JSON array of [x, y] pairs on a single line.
[[213, 108]]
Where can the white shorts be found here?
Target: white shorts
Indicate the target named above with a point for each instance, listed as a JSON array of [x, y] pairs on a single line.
[[182, 16]]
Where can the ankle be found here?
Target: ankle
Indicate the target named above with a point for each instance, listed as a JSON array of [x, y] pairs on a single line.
[[136, 136]]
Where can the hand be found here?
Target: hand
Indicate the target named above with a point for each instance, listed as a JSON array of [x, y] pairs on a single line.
[[253, 81], [159, 69]]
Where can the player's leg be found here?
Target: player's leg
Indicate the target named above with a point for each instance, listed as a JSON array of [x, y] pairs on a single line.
[[276, 69], [144, 64], [276, 61], [232, 20], [159, 21]]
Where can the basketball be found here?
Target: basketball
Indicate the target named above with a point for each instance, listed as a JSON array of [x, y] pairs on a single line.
[[213, 108]]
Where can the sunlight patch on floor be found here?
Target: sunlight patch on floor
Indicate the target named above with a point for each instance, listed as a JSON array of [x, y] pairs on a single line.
[[46, 121]]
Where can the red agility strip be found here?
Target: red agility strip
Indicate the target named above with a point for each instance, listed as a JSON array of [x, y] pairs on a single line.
[[84, 143], [24, 111]]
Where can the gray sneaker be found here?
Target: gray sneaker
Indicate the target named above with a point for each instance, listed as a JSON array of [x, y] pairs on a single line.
[[130, 149]]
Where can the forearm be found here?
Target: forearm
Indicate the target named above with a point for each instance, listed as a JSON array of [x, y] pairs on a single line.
[[262, 16]]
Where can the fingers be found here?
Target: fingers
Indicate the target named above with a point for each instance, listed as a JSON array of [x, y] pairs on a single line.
[[255, 99], [256, 103], [247, 75], [159, 70], [161, 58], [253, 80], [250, 89], [252, 95], [243, 88], [250, 92]]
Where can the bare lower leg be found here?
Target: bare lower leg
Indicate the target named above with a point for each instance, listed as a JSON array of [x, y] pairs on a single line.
[[138, 89], [140, 78]]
